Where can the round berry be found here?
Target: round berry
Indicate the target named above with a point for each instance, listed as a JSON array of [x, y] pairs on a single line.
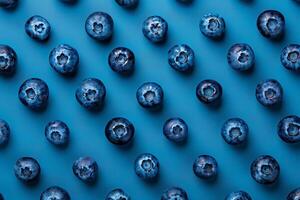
[[212, 26], [27, 169], [181, 58], [155, 29], [289, 129], [205, 167], [57, 133], [238, 195], [8, 60], [117, 194], [4, 133], [38, 28], [241, 57], [175, 130], [127, 3], [8, 4], [119, 131], [290, 57], [174, 193], [209, 91], [294, 194], [55, 193], [147, 167], [269, 92], [121, 60], [150, 95], [235, 131], [86, 169]]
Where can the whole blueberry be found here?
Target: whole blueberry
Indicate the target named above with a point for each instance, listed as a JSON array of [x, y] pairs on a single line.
[[290, 57], [121, 60], [271, 24], [99, 26], [4, 133], [235, 131], [288, 129], [64, 59], [212, 26], [181, 58], [34, 94], [155, 29], [27, 169], [57, 133], [150, 95], [209, 91], [38, 28], [205, 167], [269, 92], [8, 3], [91, 94], [175, 130], [174, 193], [294, 194], [147, 167], [119, 131], [241, 57], [8, 60], [238, 195], [86, 169], [127, 3], [55, 193], [117, 194], [265, 170]]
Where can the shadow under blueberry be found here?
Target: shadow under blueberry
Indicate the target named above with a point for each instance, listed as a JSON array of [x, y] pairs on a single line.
[[70, 2], [185, 2]]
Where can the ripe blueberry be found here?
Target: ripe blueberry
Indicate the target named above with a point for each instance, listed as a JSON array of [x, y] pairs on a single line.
[[117, 194], [150, 95], [209, 91], [238, 195], [27, 169], [127, 3], [294, 194], [147, 167], [121, 60], [235, 131], [55, 193], [212, 26], [269, 92], [4, 133], [181, 58], [155, 29], [205, 167], [38, 28], [174, 193], [9, 4], [175, 130], [241, 57], [290, 57], [8, 60], [57, 133], [119, 131], [86, 169], [289, 129]]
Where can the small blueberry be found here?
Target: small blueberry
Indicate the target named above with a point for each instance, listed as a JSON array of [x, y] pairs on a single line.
[[38, 28], [175, 130], [269, 92], [205, 167], [27, 169], [150, 95], [121, 60], [155, 29], [4, 133], [127, 3], [117, 194], [238, 195], [294, 194], [86, 169], [209, 91], [8, 4], [174, 193], [289, 129], [181, 58], [290, 57], [241, 57], [147, 167], [57, 133], [8, 60], [235, 131], [212, 26], [55, 193]]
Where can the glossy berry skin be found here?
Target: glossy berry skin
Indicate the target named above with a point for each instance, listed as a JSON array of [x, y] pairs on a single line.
[[34, 94], [288, 129], [27, 169], [150, 95], [271, 24], [269, 92], [8, 60], [235, 131], [56, 193], [265, 170], [99, 26], [57, 133], [86, 169], [119, 131], [127, 3], [117, 194], [174, 193], [4, 133], [8, 4], [212, 26], [205, 167], [241, 57], [175, 130], [290, 57], [147, 167], [294, 194], [38, 28], [209, 91], [121, 60], [155, 29], [238, 195], [181, 58], [91, 94]]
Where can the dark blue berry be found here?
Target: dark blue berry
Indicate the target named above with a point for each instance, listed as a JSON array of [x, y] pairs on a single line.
[[55, 193], [4, 133], [86, 169], [238, 195], [27, 169], [8, 3], [175, 130], [205, 167], [290, 57], [147, 167], [209, 91], [38, 28], [99, 26], [269, 92], [150, 95], [241, 57], [294, 194], [91, 94], [265, 170], [57, 133], [212, 26], [121, 60], [155, 29], [119, 131], [1, 197], [117, 194], [174, 193], [34, 94], [235, 131], [8, 60], [181, 58], [289, 129], [271, 24], [127, 3]]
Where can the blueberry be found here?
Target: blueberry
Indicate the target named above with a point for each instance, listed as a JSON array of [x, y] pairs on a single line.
[[57, 133], [55, 193], [4, 133], [99, 26], [294, 194], [241, 57], [271, 24], [289, 129], [1, 197], [86, 169], [155, 29], [209, 91], [34, 94], [147, 167], [127, 3], [8, 3], [175, 130], [91, 94], [119, 131], [238, 195], [121, 60], [269, 92], [38, 28], [290, 57], [235, 131], [8, 60], [27, 169], [205, 167], [150, 95], [212, 26], [117, 194], [181, 58], [265, 170], [174, 193]]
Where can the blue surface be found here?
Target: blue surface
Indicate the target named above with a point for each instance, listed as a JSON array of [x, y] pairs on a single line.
[[87, 129]]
